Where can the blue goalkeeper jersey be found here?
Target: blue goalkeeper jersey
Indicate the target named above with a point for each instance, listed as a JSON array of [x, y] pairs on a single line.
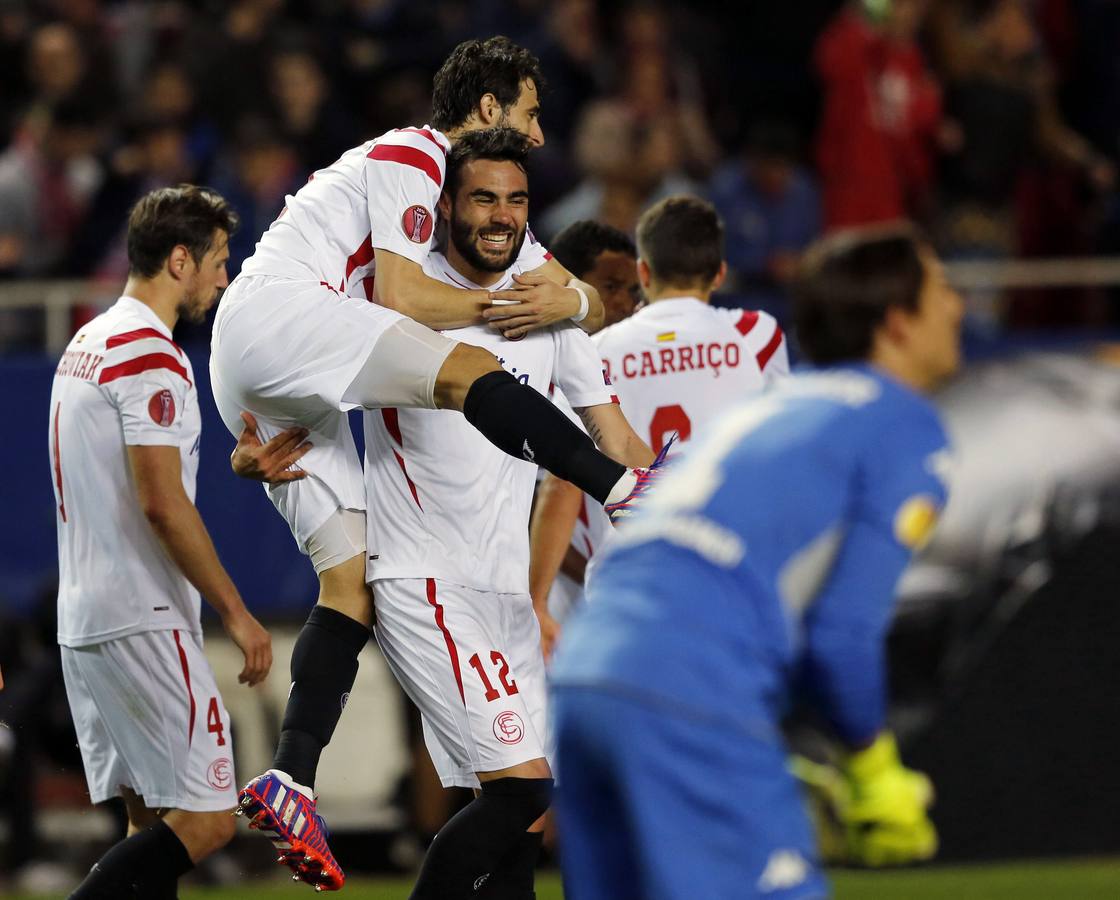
[[766, 559]]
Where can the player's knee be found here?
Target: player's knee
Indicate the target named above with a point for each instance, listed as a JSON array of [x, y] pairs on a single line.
[[223, 828], [201, 833], [462, 368], [524, 800]]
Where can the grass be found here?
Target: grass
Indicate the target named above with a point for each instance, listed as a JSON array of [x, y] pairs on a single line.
[[1078, 879]]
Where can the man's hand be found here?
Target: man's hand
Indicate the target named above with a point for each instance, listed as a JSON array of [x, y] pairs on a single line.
[[269, 462], [885, 814], [254, 642], [550, 630], [536, 301]]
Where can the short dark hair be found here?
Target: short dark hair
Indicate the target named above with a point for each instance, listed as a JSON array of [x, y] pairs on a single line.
[[497, 144], [579, 245], [163, 219], [846, 283], [681, 240], [495, 66]]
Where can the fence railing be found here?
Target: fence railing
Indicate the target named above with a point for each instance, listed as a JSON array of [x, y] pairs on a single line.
[[57, 299]]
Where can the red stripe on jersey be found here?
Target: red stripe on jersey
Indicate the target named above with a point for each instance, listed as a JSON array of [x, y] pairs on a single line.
[[583, 511], [187, 679], [58, 465], [770, 349], [547, 255], [423, 132], [408, 156], [143, 364], [363, 256], [139, 334], [746, 322], [411, 483], [392, 424], [614, 399], [367, 286], [452, 650]]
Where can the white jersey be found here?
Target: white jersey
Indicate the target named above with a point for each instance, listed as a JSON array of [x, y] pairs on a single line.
[[121, 382], [445, 503], [678, 363], [380, 195]]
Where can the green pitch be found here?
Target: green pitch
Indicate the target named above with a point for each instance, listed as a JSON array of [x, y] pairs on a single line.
[[1051, 880]]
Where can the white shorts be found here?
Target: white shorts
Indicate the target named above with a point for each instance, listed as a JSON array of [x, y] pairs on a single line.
[[471, 661], [149, 717], [287, 352]]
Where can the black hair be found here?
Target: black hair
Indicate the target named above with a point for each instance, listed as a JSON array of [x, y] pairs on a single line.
[[579, 245], [498, 144], [495, 66], [681, 240], [847, 282], [163, 219]]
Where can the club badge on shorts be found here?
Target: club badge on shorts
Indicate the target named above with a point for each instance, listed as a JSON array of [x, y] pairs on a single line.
[[220, 774], [417, 223], [508, 728], [162, 408]]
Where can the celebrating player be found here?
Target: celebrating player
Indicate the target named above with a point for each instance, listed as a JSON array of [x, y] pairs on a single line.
[[766, 561], [676, 365], [296, 343], [134, 555], [449, 554]]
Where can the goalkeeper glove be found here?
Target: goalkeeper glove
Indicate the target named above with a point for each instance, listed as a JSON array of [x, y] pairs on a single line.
[[885, 812]]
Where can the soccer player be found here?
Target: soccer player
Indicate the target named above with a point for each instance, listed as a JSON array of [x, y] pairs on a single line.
[[764, 564], [296, 343], [675, 365], [449, 550], [134, 555]]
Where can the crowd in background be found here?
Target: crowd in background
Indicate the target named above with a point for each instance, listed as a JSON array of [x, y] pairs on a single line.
[[994, 123]]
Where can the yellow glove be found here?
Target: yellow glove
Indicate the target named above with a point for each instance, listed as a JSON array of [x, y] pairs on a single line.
[[885, 813], [872, 810]]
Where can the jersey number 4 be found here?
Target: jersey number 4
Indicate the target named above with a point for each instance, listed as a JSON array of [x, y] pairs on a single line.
[[503, 675], [666, 420], [214, 722]]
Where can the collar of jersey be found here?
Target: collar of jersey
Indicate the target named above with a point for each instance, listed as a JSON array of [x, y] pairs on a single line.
[[145, 312], [666, 305], [462, 281]]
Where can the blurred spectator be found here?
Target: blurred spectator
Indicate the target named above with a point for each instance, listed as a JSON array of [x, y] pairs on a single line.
[[628, 164], [996, 198], [169, 96], [882, 110], [47, 177], [660, 83], [15, 26], [255, 177], [771, 210], [60, 64], [314, 122]]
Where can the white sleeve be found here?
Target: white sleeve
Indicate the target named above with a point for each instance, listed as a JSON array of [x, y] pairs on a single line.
[[533, 254], [404, 174], [579, 370], [150, 392]]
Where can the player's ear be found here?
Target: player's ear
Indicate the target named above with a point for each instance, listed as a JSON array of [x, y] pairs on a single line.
[[645, 276], [443, 207], [896, 324], [489, 110], [721, 276], [178, 262]]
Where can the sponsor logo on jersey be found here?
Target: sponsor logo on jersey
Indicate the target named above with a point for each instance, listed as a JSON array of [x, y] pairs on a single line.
[[220, 774], [915, 521], [527, 451], [417, 223], [508, 727], [345, 699], [162, 408], [785, 869]]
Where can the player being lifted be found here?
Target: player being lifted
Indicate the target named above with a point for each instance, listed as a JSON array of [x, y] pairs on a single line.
[[296, 343], [449, 549], [675, 365], [764, 564], [134, 555]]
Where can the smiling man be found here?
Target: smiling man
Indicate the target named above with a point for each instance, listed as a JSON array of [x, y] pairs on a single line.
[[134, 556], [449, 549]]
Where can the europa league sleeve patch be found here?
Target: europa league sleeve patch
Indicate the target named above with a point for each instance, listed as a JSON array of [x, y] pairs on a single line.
[[162, 408], [417, 223]]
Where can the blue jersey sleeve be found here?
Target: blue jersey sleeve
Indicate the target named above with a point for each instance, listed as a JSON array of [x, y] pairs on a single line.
[[895, 504]]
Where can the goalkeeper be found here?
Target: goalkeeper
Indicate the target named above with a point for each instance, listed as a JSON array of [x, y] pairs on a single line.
[[764, 566]]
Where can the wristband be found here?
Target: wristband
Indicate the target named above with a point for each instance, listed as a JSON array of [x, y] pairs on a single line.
[[584, 303]]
